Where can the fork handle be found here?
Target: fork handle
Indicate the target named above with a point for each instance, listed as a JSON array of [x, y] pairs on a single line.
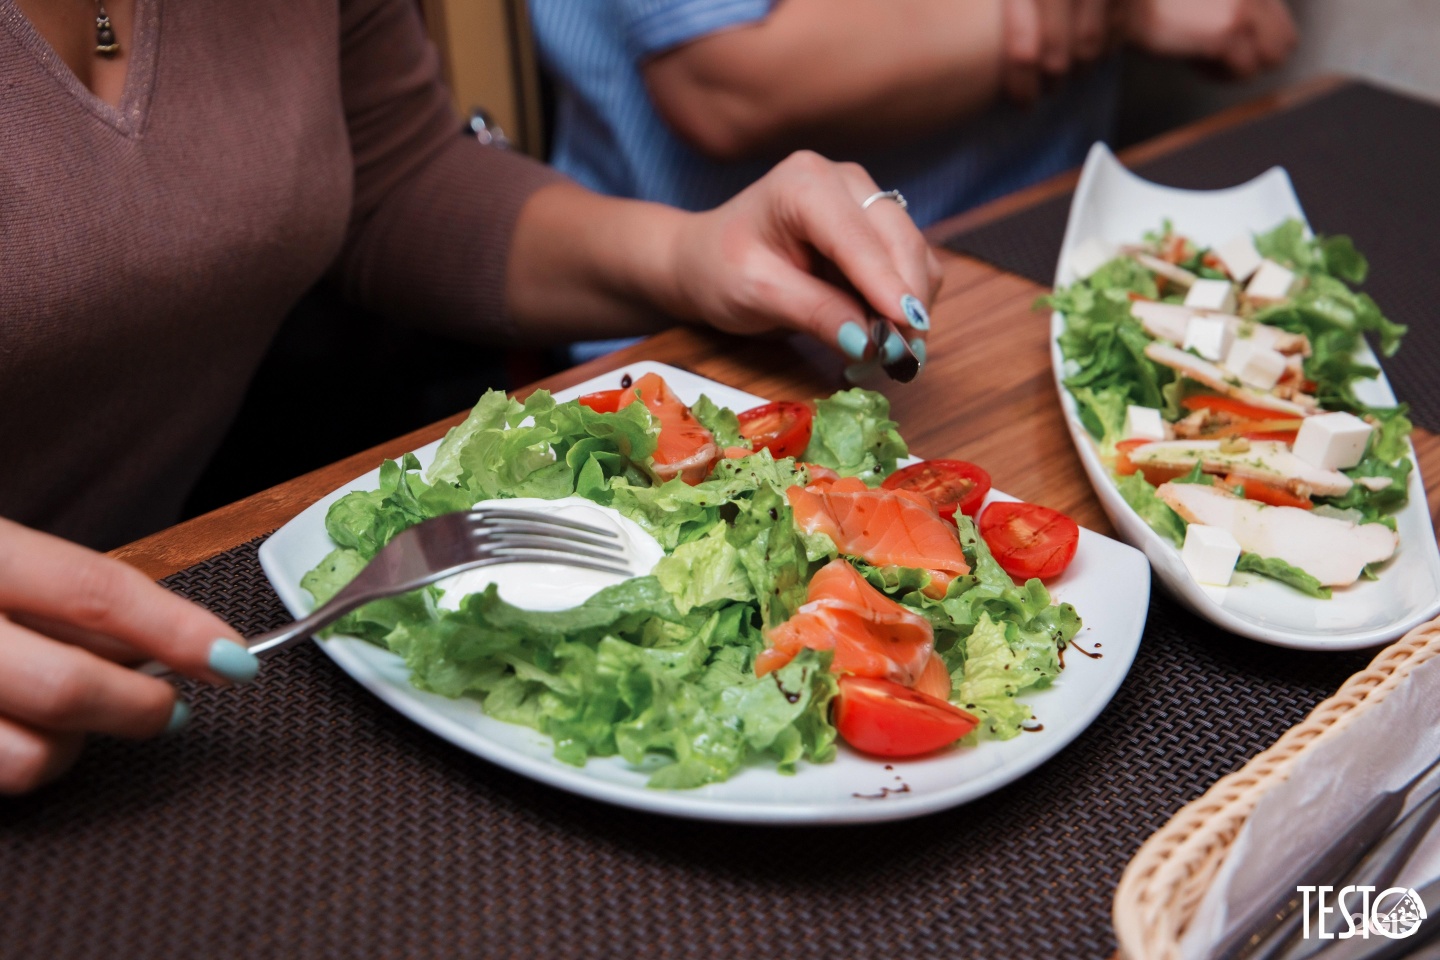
[[276, 640]]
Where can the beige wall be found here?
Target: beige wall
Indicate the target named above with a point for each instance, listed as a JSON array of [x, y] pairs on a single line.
[[1395, 43]]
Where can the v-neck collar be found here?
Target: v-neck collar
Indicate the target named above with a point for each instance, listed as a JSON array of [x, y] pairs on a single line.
[[128, 117]]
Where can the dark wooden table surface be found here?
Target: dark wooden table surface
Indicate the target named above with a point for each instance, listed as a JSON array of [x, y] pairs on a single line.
[[986, 395]]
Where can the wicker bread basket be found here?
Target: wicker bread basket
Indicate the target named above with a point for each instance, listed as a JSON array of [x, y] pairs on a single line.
[[1164, 883]]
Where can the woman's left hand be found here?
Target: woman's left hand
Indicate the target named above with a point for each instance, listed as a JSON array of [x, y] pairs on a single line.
[[795, 250]]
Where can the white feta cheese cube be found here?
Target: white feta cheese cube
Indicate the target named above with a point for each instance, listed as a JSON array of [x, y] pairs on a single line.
[[1239, 257], [1211, 337], [1332, 441], [1143, 423], [1210, 553], [1271, 283], [1217, 295], [1090, 255], [1256, 366]]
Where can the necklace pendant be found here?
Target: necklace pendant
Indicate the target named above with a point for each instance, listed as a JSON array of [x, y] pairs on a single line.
[[105, 43]]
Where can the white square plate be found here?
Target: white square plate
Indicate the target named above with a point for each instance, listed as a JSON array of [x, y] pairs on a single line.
[[1108, 582], [1116, 206]]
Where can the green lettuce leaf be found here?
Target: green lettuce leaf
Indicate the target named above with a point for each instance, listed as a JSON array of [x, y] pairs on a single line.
[[502, 449], [1336, 256], [1105, 345], [339, 567], [987, 683], [1386, 456], [720, 421], [675, 512], [366, 520], [778, 559], [1325, 302], [1288, 246], [1141, 496], [1102, 412], [1277, 569], [854, 436], [628, 673], [705, 571], [543, 449]]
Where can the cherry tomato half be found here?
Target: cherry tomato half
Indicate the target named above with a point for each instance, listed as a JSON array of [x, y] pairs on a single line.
[[888, 720], [1029, 540], [782, 427], [949, 484], [604, 401], [1269, 493]]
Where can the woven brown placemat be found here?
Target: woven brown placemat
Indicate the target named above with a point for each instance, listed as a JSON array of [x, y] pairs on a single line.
[[1363, 161], [300, 817]]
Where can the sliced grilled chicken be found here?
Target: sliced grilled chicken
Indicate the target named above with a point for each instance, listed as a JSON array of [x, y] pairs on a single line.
[[1265, 460], [1218, 378], [1332, 551], [1164, 268], [1167, 321]]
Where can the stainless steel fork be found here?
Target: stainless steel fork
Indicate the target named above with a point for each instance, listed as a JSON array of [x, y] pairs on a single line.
[[447, 545]]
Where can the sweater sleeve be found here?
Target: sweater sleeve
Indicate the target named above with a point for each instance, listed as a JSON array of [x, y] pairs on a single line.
[[434, 211]]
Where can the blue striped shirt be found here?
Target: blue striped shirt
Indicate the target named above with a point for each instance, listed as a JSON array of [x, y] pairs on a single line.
[[609, 137]]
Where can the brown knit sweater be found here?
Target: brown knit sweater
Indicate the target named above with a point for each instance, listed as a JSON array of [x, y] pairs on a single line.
[[149, 252]]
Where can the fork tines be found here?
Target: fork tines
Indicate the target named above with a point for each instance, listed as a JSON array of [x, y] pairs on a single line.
[[521, 536], [494, 513]]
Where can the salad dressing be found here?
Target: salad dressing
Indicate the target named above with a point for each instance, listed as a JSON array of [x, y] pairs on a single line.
[[546, 586]]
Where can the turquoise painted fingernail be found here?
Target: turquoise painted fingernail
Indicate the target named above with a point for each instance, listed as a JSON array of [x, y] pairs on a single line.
[[853, 340], [915, 312], [894, 348], [860, 371], [917, 347], [233, 662], [179, 716]]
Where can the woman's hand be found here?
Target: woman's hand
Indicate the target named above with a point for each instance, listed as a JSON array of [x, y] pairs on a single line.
[[793, 251], [69, 618], [797, 251], [1243, 37]]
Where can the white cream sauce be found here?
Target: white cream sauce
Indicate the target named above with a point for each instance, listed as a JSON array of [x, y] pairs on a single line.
[[550, 586]]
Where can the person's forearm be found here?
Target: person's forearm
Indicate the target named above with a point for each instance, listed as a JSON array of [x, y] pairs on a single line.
[[586, 266], [832, 74]]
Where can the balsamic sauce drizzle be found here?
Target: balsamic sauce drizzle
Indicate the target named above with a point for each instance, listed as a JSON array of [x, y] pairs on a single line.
[[790, 696], [886, 791]]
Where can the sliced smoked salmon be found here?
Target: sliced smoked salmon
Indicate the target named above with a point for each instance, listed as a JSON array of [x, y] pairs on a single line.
[[872, 635], [889, 528], [685, 449]]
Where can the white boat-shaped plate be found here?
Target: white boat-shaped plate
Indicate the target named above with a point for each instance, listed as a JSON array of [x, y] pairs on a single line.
[[1115, 205], [1109, 583]]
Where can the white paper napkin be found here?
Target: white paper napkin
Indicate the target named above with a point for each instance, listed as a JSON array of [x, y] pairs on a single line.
[[1379, 750]]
